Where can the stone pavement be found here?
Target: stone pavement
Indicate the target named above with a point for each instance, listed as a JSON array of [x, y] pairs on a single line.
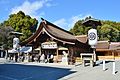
[[5, 61], [54, 71], [95, 73], [2, 60], [88, 73]]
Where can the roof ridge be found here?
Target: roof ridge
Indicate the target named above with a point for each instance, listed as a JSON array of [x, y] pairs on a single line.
[[55, 26]]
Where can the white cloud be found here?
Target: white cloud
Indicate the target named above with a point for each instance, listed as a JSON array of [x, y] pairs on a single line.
[[48, 4], [74, 19], [31, 8], [69, 23], [61, 22]]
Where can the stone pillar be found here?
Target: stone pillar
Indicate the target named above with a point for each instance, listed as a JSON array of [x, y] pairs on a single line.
[[6, 54], [113, 71], [104, 65]]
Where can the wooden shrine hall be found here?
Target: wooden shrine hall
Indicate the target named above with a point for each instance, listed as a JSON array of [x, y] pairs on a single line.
[[50, 38]]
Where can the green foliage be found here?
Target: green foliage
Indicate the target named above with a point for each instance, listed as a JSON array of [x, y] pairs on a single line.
[[5, 38], [108, 31], [21, 23], [79, 29]]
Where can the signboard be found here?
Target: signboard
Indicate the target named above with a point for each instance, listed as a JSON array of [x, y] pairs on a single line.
[[49, 45]]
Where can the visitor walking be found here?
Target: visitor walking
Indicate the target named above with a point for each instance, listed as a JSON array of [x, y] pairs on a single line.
[[42, 58]]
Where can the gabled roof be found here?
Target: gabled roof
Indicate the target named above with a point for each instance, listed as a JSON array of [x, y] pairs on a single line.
[[58, 32], [34, 36], [53, 31]]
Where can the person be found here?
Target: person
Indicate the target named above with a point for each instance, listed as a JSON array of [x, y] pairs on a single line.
[[23, 57], [38, 58], [11, 56], [48, 57], [65, 57], [51, 58], [65, 54], [33, 56], [42, 58], [16, 57]]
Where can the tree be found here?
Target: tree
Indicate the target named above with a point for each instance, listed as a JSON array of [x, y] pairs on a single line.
[[5, 37], [79, 29], [108, 31], [21, 23]]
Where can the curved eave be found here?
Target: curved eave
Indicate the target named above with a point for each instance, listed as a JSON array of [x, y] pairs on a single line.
[[34, 36], [90, 22], [68, 42], [60, 34], [71, 40], [54, 32], [62, 39]]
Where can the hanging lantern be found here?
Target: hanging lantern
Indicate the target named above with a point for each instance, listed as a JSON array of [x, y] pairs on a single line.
[[92, 37]]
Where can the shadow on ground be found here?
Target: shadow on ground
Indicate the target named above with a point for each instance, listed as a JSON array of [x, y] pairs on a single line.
[[30, 72]]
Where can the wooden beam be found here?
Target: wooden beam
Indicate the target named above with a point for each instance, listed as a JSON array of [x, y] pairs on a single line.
[[108, 57]]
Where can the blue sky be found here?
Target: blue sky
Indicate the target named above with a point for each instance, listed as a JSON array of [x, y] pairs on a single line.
[[63, 13]]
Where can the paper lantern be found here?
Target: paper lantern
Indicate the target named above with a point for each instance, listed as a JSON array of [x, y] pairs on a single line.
[[92, 37]]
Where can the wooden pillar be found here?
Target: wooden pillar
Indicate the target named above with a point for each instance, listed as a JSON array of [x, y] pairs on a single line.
[[57, 56], [113, 54], [71, 52], [39, 50], [94, 56]]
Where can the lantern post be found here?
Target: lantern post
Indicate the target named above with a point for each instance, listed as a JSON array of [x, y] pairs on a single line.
[[16, 44], [92, 34]]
